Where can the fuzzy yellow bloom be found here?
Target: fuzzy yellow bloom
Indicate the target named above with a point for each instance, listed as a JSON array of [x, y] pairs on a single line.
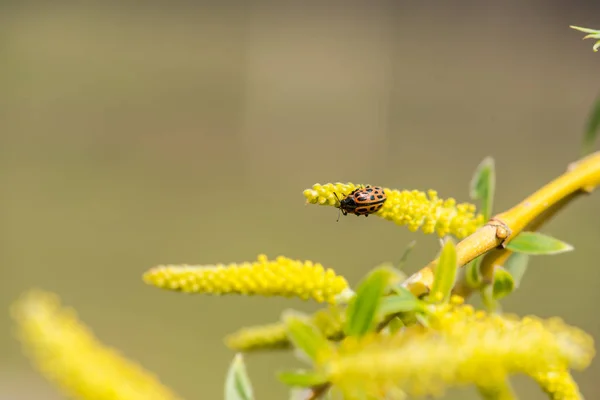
[[274, 336], [413, 209], [280, 277], [559, 385], [69, 355], [463, 347], [261, 337]]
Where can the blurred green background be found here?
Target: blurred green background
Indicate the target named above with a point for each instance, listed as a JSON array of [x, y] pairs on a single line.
[[151, 133]]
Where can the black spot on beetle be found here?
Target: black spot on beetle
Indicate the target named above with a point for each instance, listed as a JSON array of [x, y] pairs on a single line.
[[372, 197], [369, 190], [380, 196], [372, 208]]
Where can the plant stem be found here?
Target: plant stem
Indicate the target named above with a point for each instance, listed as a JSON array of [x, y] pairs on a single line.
[[581, 178]]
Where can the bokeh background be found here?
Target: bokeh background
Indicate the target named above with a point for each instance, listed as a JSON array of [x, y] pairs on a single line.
[[147, 133]]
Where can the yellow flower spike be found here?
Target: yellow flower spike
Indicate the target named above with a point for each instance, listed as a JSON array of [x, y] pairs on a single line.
[[68, 354], [274, 336], [559, 385], [413, 209], [280, 277], [462, 348], [261, 337]]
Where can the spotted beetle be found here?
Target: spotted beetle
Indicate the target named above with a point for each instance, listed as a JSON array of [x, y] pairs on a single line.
[[362, 201]]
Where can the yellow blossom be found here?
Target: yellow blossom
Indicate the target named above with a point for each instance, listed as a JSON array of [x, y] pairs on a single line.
[[462, 347], [558, 384], [69, 355], [413, 209], [260, 337], [280, 277], [274, 336]]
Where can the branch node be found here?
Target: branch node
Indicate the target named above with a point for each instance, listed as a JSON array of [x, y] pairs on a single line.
[[503, 231]]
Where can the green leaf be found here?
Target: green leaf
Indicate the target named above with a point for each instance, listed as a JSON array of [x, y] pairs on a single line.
[[423, 319], [483, 186], [473, 273], [535, 243], [503, 283], [406, 253], [591, 129], [592, 33], [487, 298], [445, 273], [517, 266], [302, 378], [404, 301], [362, 309], [585, 30], [304, 335], [237, 384]]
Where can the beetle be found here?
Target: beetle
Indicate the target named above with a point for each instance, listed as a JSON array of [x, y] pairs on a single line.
[[362, 201]]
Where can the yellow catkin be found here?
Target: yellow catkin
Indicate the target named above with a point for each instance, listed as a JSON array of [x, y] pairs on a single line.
[[558, 384], [274, 336], [462, 347], [68, 354], [413, 209], [280, 277], [259, 338]]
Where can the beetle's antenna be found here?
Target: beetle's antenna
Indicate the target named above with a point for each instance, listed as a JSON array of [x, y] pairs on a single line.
[[339, 208]]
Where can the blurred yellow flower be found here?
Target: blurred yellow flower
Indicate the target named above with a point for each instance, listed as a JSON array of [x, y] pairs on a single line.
[[260, 337], [558, 384], [413, 209], [461, 347], [68, 354], [280, 277], [274, 336]]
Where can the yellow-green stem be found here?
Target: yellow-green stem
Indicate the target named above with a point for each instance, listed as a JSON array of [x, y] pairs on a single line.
[[582, 177]]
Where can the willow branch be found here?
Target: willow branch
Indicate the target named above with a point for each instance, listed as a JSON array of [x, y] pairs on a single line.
[[582, 177]]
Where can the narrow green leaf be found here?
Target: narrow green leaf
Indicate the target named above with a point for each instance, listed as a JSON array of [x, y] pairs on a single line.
[[585, 30], [237, 384], [362, 310], [423, 319], [445, 273], [305, 336], [405, 301], [517, 266], [409, 248], [473, 273], [503, 283], [483, 186], [302, 378], [591, 129], [487, 298], [399, 276], [535, 243]]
